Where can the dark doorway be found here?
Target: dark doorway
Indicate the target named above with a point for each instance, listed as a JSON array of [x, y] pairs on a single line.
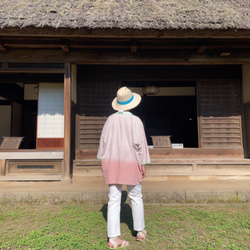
[[170, 112], [29, 124], [172, 115]]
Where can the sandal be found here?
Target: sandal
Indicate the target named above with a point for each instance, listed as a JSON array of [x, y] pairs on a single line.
[[114, 245], [141, 236]]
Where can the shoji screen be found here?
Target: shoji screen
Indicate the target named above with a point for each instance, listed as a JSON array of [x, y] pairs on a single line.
[[50, 130]]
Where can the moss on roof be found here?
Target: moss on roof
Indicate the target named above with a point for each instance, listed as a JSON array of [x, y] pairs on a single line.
[[124, 14]]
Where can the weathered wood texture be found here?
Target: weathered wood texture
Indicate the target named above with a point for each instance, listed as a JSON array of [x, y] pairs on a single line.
[[95, 93], [94, 105], [90, 129], [124, 33], [114, 57], [33, 167], [67, 121], [203, 168], [165, 153], [162, 141], [220, 114], [200, 45], [2, 167], [247, 126], [72, 135], [11, 142], [49, 143]]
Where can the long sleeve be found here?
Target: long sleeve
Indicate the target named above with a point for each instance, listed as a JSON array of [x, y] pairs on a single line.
[[140, 143], [100, 149], [102, 141]]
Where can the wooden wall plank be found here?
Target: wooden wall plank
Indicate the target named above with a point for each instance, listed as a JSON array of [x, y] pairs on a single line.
[[171, 153], [220, 114], [90, 128]]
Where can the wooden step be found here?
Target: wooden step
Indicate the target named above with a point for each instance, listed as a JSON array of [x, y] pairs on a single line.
[[32, 178], [192, 169], [175, 153]]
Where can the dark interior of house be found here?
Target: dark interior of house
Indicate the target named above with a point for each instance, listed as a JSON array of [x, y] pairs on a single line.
[[175, 116], [12, 90]]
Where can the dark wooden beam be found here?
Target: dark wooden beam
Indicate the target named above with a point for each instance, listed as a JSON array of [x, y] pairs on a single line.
[[124, 33], [11, 77], [31, 70], [99, 46], [184, 44], [200, 45], [31, 43], [113, 57]]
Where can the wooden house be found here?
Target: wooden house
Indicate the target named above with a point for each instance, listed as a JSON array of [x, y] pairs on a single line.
[[61, 63]]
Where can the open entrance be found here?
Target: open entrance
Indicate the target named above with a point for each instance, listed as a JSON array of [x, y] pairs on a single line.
[[170, 109], [31, 105], [190, 105]]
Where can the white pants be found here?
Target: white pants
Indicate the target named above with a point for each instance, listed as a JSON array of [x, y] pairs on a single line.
[[114, 208]]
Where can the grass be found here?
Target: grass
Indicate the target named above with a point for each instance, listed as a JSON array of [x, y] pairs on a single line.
[[217, 226]]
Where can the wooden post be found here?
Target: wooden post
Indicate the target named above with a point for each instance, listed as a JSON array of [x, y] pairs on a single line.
[[2, 167], [67, 122], [246, 102]]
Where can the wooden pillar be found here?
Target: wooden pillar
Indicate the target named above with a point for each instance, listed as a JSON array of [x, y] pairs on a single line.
[[2, 167], [67, 122], [246, 102]]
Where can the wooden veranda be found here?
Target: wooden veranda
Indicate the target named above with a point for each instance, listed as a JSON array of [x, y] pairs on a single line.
[[176, 164]]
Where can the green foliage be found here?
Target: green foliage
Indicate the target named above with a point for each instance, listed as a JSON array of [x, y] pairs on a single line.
[[84, 227]]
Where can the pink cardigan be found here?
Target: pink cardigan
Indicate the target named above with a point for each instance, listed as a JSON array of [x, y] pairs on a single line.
[[123, 149]]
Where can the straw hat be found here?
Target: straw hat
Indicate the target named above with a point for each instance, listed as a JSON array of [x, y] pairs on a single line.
[[125, 99]]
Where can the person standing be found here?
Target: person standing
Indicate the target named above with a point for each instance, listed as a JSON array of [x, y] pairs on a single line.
[[123, 152]]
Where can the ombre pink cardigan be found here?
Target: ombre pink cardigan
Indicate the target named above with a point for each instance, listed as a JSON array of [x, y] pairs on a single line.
[[123, 149]]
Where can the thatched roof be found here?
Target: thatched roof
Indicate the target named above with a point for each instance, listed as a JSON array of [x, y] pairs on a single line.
[[126, 14]]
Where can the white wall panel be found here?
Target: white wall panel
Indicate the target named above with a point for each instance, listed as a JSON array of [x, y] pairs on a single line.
[[50, 111]]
